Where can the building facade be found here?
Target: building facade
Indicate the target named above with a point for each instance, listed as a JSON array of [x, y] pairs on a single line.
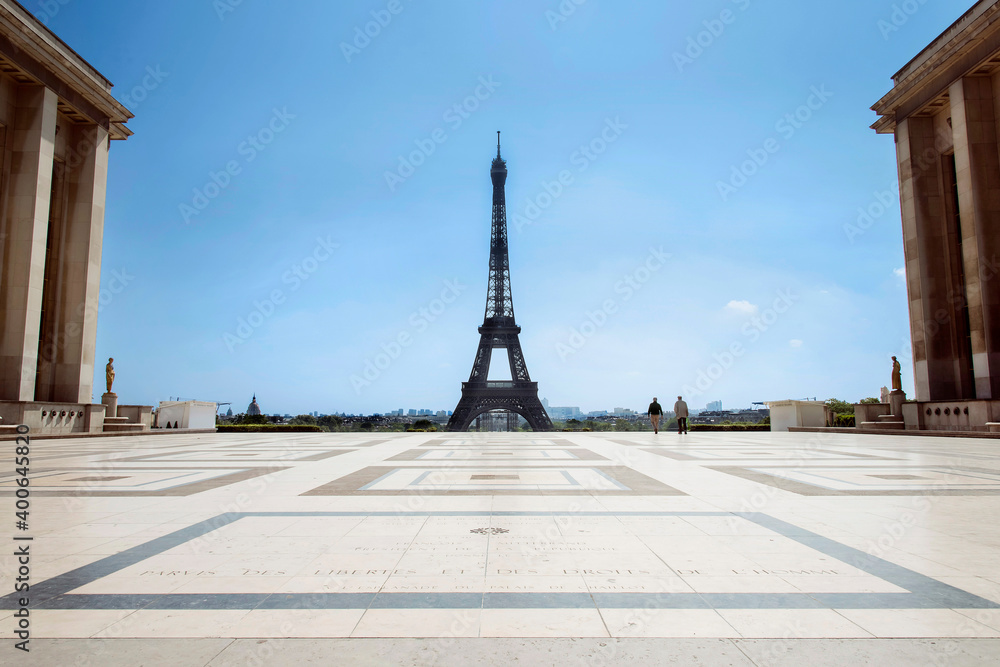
[[944, 111], [57, 121]]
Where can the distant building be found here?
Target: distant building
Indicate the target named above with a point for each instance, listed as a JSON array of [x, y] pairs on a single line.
[[253, 408], [564, 413], [411, 413], [714, 406]]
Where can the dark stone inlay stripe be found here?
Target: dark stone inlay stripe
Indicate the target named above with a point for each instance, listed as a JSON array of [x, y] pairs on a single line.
[[81, 576], [428, 601], [538, 601], [651, 601], [184, 489], [917, 583], [325, 455], [636, 483], [497, 600], [208, 601], [924, 592], [676, 456], [767, 601], [803, 489], [576, 452], [318, 601], [97, 601]]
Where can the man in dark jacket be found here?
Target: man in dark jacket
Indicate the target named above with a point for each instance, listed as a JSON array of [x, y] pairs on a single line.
[[654, 412]]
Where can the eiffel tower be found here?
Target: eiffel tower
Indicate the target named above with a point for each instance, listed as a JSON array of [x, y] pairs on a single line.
[[499, 330]]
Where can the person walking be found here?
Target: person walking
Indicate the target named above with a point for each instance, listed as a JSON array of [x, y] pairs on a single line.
[[655, 411], [681, 412]]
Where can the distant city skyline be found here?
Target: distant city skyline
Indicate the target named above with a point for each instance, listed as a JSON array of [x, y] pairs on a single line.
[[423, 412], [682, 221]]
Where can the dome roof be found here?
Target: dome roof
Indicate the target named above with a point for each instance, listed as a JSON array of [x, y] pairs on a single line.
[[253, 408]]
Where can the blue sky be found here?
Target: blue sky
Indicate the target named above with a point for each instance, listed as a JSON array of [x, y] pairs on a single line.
[[261, 247]]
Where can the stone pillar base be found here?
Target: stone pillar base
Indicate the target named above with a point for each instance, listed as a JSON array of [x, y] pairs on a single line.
[[110, 401], [896, 399]]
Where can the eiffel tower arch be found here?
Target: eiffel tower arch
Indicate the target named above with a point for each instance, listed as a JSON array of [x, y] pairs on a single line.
[[499, 330]]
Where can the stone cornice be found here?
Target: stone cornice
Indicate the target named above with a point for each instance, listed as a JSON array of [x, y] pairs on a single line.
[[39, 55], [968, 46]]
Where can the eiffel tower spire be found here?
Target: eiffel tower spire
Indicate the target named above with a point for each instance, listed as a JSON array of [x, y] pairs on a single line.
[[499, 301], [499, 330]]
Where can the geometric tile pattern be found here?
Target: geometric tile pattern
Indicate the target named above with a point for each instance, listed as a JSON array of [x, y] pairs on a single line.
[[871, 481], [604, 535], [871, 583], [452, 479]]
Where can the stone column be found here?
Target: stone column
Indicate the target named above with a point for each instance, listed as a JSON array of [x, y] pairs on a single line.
[[978, 165], [27, 214], [87, 167], [928, 279]]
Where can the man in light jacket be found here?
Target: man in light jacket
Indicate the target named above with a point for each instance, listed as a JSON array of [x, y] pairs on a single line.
[[681, 411]]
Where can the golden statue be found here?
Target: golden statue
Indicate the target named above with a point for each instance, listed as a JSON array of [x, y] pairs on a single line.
[[897, 376], [109, 373]]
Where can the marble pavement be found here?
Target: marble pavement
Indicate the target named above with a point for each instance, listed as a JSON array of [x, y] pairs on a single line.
[[557, 548]]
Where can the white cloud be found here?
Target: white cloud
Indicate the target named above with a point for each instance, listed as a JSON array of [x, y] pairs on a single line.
[[795, 342], [741, 307], [900, 273]]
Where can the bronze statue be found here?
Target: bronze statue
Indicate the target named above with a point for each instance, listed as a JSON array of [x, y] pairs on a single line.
[[897, 376], [109, 373]]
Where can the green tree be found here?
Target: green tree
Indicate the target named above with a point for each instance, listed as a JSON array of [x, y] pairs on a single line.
[[870, 400], [423, 424], [839, 407], [249, 419], [303, 420], [331, 422]]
